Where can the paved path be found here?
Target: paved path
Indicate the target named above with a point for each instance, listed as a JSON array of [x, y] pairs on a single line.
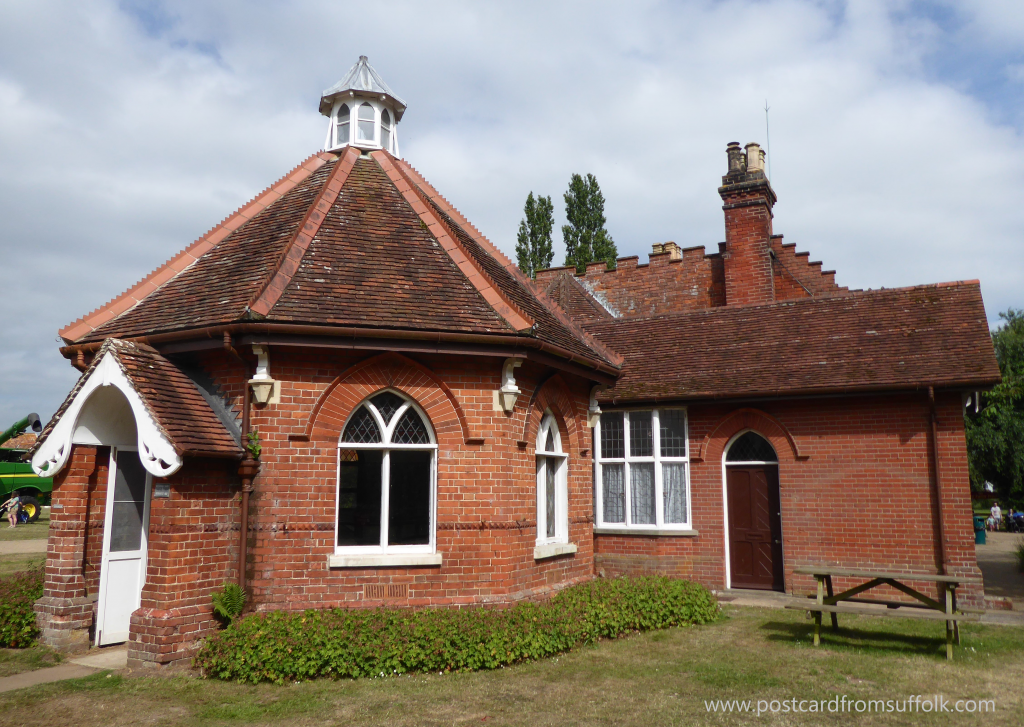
[[96, 660], [998, 565], [14, 547]]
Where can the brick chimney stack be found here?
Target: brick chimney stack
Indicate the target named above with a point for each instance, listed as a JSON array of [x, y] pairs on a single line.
[[748, 200]]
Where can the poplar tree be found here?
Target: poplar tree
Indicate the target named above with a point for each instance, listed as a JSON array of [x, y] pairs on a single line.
[[533, 243], [585, 237]]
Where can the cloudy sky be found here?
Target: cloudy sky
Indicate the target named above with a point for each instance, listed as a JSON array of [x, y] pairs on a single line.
[[127, 129]]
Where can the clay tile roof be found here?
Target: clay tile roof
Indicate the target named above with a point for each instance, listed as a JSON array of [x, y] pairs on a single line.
[[576, 300], [871, 340], [354, 242], [171, 398]]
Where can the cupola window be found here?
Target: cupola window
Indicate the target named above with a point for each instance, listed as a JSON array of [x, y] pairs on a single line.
[[365, 131], [385, 129], [342, 135]]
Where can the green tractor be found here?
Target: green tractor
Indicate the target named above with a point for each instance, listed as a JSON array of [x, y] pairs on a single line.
[[17, 475]]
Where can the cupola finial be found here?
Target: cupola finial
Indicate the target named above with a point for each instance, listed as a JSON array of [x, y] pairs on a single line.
[[362, 110]]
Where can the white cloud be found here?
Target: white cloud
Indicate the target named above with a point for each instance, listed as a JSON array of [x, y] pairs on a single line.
[[125, 134]]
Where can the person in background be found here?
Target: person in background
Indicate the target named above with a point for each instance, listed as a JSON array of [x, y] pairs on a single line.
[[12, 505], [997, 516]]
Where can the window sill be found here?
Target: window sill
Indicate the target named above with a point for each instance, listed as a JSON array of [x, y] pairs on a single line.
[[384, 561], [553, 550], [659, 533]]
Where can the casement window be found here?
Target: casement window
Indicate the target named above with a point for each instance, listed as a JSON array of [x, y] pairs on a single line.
[[385, 130], [387, 473], [552, 486], [342, 125], [365, 130], [642, 472]]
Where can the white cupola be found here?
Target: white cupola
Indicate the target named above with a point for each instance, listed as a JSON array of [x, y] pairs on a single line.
[[363, 111]]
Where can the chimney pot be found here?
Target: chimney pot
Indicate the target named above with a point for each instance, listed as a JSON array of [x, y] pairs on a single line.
[[675, 252], [755, 158], [657, 248], [735, 157]]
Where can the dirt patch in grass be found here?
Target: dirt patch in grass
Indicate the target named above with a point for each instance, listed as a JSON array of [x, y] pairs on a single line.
[[16, 661], [659, 678]]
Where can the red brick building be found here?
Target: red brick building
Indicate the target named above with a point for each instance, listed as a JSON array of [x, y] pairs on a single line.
[[434, 428]]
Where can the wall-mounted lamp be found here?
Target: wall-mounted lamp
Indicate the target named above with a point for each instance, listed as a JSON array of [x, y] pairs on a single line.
[[264, 388], [509, 392]]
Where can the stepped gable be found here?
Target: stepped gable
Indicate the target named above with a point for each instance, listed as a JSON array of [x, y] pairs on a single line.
[[171, 398], [862, 341], [797, 277], [551, 324]]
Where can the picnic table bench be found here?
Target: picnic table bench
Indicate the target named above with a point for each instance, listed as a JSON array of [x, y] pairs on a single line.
[[925, 608]]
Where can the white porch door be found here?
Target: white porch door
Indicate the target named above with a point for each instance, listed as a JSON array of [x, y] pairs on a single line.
[[126, 525]]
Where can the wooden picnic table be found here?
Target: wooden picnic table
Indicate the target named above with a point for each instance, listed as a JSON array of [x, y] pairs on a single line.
[[926, 608]]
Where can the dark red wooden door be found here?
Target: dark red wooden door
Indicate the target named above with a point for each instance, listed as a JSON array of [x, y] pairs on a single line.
[[755, 527]]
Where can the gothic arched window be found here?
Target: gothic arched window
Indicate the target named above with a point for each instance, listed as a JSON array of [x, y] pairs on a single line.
[[342, 134], [365, 130], [552, 494], [385, 130], [387, 464]]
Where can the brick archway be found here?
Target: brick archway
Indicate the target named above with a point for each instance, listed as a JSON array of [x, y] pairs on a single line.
[[552, 394], [712, 447], [394, 371]]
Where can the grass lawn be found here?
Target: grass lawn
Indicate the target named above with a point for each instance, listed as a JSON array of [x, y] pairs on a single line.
[[14, 562], [26, 531], [658, 678], [15, 661]]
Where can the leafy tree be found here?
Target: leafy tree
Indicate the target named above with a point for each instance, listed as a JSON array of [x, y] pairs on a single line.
[[586, 240], [995, 436], [533, 243]]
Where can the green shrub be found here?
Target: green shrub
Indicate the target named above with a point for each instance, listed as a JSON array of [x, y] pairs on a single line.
[[228, 603], [18, 592], [340, 643]]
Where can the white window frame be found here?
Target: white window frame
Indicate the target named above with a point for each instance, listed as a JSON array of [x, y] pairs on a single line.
[[334, 126], [544, 460], [375, 140], [385, 445], [658, 460]]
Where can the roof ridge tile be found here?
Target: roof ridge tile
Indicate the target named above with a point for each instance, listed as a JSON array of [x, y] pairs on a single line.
[[488, 289], [505, 262], [187, 257], [291, 257]]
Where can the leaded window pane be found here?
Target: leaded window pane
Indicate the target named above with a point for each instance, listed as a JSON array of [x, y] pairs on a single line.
[[549, 496], [614, 492], [674, 484], [359, 496], [549, 443], [641, 435], [751, 447], [410, 429], [343, 125], [612, 439], [641, 484], [362, 429], [673, 432], [409, 501], [387, 404]]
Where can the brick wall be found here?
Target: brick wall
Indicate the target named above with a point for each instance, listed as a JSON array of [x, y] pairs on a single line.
[[66, 611], [856, 491]]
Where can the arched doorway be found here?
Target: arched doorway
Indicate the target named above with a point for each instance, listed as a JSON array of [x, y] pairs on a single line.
[[754, 513]]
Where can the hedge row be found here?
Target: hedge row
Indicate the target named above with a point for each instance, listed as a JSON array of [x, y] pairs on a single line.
[[18, 592], [338, 643]]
